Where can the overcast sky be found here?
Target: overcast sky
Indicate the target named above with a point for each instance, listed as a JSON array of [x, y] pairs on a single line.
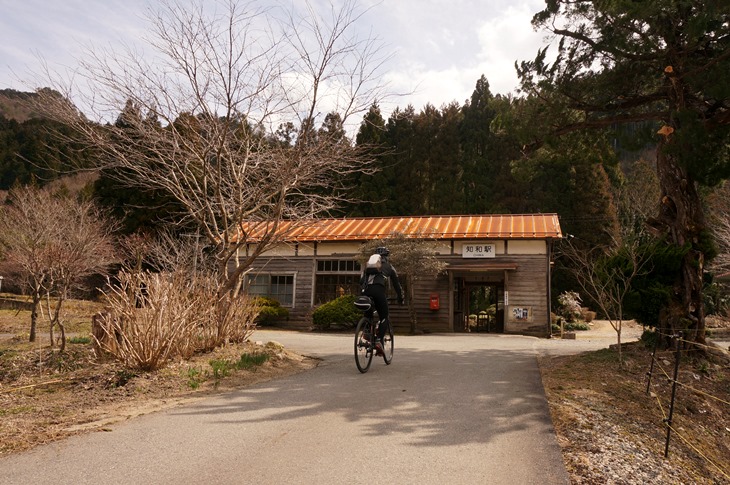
[[441, 47]]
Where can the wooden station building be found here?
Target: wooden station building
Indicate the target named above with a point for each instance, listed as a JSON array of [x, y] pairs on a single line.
[[502, 261]]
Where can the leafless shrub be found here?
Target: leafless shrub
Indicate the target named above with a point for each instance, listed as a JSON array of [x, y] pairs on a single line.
[[151, 319], [228, 320], [607, 284], [719, 217], [155, 317], [587, 315]]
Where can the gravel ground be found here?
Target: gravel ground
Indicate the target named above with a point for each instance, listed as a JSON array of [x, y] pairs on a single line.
[[612, 432]]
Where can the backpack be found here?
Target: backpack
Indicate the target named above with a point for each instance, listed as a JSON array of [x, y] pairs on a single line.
[[374, 265], [372, 268]]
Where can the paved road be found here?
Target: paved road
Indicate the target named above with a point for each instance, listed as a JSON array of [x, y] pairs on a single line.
[[467, 409]]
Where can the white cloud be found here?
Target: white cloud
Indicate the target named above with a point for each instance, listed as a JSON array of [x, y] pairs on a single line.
[[504, 40], [441, 47]]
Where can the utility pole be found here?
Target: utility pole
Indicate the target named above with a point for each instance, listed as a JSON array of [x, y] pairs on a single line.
[[197, 245]]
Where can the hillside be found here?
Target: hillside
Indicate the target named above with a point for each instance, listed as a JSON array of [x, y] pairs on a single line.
[[14, 105]]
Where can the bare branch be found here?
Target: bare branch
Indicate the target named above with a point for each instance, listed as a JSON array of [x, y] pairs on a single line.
[[194, 117]]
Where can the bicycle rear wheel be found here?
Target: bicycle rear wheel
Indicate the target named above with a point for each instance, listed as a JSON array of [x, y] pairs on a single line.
[[388, 345], [364, 345]]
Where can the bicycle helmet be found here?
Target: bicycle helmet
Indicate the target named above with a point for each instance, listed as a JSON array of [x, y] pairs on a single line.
[[382, 251]]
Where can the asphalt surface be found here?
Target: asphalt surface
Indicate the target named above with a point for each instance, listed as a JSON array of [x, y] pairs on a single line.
[[463, 409]]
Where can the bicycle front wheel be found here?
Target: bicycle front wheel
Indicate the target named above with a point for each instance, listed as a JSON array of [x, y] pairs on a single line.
[[364, 345], [388, 345]]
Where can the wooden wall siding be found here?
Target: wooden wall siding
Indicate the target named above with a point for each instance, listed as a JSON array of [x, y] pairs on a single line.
[[427, 320], [527, 286], [303, 268]]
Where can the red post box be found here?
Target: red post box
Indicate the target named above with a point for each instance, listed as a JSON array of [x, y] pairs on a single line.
[[434, 303]]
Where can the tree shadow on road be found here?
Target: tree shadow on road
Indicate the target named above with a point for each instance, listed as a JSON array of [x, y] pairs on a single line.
[[430, 398]]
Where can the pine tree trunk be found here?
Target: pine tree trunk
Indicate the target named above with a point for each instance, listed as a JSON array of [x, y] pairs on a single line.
[[682, 216]]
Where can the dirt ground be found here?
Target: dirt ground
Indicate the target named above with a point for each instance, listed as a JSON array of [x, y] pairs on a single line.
[[612, 431], [609, 428], [46, 395]]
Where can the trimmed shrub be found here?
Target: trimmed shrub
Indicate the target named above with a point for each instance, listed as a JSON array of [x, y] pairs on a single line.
[[270, 310], [573, 326], [587, 315], [340, 311]]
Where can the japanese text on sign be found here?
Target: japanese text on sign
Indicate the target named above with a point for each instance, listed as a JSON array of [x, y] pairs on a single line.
[[477, 250]]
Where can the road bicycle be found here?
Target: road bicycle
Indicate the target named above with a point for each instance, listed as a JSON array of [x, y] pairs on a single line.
[[366, 336]]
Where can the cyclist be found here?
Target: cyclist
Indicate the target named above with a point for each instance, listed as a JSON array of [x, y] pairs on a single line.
[[373, 280]]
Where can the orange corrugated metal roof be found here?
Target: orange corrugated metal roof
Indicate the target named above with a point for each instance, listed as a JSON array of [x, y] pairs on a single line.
[[486, 226]]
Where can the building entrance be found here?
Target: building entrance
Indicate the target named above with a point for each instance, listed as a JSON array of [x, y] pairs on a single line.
[[478, 306]]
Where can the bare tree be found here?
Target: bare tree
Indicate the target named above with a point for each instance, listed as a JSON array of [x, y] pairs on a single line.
[[199, 113], [50, 244], [415, 260], [84, 248], [27, 231], [637, 197], [606, 282]]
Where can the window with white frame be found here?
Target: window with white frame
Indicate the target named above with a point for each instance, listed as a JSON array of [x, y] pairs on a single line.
[[277, 286]]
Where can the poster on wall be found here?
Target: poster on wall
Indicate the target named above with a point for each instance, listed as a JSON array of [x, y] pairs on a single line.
[[520, 314]]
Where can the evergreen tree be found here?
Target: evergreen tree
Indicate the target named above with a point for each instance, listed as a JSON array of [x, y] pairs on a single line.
[[447, 175], [662, 62], [420, 164], [36, 150], [476, 140], [398, 179], [138, 210], [371, 189]]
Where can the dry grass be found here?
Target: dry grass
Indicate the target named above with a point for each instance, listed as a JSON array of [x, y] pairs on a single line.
[[152, 318], [17, 321], [47, 395]]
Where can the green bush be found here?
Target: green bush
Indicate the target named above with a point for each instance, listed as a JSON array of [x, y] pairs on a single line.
[[270, 310], [649, 338], [338, 311], [573, 326], [195, 377], [221, 368]]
